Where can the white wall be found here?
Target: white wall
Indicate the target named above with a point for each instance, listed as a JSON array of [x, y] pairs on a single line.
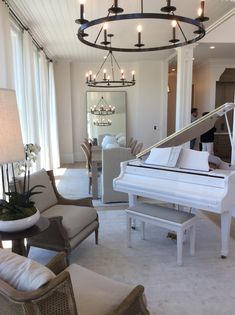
[[144, 104], [149, 106]]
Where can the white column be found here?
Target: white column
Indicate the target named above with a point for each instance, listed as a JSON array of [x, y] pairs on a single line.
[[184, 85]]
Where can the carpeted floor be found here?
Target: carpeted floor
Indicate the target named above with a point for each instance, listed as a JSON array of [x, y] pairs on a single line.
[[204, 285]]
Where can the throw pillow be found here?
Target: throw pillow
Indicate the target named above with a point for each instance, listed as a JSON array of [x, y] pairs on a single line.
[[23, 273]]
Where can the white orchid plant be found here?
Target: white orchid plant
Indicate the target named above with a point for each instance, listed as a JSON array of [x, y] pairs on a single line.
[[31, 152], [18, 204]]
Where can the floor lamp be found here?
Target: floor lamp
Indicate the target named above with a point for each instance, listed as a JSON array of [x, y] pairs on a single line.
[[11, 143]]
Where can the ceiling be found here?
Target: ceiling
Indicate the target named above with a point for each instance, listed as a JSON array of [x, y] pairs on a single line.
[[52, 24]]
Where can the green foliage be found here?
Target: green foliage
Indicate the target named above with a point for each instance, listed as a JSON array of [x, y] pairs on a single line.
[[6, 215], [18, 205]]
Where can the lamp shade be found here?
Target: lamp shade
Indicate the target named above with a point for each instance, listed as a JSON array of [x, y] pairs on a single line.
[[11, 144]]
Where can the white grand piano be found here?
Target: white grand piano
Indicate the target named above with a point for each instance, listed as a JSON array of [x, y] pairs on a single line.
[[212, 190]]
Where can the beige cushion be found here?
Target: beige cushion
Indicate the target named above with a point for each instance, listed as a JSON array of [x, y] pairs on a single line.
[[94, 293], [75, 218], [164, 213], [47, 198], [108, 140], [111, 146], [23, 273]]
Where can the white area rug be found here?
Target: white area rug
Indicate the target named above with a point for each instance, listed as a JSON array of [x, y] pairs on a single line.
[[204, 285]]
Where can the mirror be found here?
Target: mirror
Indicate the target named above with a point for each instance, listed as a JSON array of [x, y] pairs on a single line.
[[106, 115]]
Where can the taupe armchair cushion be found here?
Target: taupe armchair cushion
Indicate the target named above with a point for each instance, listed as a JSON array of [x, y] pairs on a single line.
[[106, 294], [72, 222], [48, 197]]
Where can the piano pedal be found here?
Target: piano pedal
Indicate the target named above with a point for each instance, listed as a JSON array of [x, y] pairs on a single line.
[[172, 235]]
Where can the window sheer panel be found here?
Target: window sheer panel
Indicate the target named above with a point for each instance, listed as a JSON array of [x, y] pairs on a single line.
[[30, 88], [17, 52], [6, 58], [6, 77], [43, 107], [34, 81], [54, 152]]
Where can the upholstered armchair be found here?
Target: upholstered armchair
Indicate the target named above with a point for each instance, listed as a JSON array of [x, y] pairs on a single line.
[[29, 288], [71, 221]]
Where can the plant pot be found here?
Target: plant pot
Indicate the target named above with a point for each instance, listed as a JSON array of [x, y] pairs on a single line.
[[20, 224]]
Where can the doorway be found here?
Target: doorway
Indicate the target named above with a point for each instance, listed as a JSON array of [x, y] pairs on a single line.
[[225, 90]]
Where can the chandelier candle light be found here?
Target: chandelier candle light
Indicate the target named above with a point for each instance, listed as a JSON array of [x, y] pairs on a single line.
[[190, 29]]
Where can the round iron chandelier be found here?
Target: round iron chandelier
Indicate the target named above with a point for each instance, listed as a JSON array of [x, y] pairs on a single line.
[[115, 79], [102, 122], [115, 14], [102, 108]]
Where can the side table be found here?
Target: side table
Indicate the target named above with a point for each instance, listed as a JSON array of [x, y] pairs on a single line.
[[18, 238]]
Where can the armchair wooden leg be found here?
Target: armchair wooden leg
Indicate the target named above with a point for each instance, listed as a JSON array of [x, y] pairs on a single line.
[[27, 249], [68, 258], [97, 235]]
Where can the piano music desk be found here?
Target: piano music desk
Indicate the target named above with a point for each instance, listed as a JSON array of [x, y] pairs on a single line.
[[172, 219]]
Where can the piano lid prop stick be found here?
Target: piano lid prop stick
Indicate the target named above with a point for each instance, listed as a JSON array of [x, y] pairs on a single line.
[[229, 130], [211, 117]]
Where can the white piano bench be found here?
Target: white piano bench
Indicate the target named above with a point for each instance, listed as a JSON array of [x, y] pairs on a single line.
[[172, 219]]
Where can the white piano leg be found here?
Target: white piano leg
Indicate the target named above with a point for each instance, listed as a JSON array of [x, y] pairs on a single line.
[[132, 199], [226, 218], [132, 202], [192, 237], [143, 230], [179, 247], [128, 231]]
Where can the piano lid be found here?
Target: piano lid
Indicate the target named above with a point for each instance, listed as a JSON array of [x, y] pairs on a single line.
[[193, 130]]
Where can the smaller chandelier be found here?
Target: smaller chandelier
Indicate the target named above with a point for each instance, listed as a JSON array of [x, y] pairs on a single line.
[[100, 122], [102, 108], [105, 80]]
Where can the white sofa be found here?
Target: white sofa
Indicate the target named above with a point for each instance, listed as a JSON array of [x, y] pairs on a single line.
[[111, 159]]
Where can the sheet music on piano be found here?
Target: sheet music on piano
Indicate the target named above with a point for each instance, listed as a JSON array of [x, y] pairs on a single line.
[[179, 157]]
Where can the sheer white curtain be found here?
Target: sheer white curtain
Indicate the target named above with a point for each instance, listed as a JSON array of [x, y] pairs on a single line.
[[47, 115], [28, 70], [54, 135], [30, 99], [6, 72], [34, 82]]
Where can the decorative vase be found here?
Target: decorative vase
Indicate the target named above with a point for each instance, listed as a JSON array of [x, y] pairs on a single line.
[[20, 224]]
